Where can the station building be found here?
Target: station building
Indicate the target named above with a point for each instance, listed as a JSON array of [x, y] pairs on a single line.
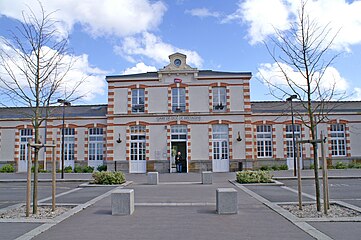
[[206, 115]]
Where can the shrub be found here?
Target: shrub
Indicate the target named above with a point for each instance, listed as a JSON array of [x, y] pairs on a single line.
[[39, 170], [77, 169], [7, 168], [85, 169], [340, 165], [102, 168], [265, 168], [108, 178], [254, 177], [88, 169], [275, 168], [354, 165], [68, 169], [283, 167], [312, 166]]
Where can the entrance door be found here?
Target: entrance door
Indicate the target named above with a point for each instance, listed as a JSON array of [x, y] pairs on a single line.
[[220, 161], [289, 144], [25, 135], [138, 163], [182, 148]]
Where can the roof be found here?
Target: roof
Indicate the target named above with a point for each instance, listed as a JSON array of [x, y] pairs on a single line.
[[283, 106], [99, 110], [210, 73], [201, 73]]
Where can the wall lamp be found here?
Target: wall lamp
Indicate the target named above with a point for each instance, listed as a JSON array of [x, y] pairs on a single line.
[[239, 137], [119, 140]]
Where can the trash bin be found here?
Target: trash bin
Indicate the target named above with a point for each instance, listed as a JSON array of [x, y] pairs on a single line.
[[240, 166]]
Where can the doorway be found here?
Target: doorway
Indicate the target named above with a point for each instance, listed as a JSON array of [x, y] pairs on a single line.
[[182, 148]]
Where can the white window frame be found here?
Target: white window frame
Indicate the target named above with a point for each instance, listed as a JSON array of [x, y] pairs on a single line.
[[69, 143], [338, 139], [179, 132], [138, 143], [289, 138], [219, 99], [178, 100], [25, 135], [220, 146], [96, 144], [264, 141], [138, 100]]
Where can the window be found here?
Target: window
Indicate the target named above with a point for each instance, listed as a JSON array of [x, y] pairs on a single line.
[[219, 99], [338, 140], [25, 135], [137, 143], [178, 99], [96, 144], [264, 141], [69, 142], [220, 141], [137, 100], [179, 132], [289, 138]]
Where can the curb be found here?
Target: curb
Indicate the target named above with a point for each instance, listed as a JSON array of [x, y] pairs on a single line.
[[320, 177], [44, 180], [44, 227], [307, 228]]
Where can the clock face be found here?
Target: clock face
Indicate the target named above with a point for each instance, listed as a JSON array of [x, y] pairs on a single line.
[[177, 62]]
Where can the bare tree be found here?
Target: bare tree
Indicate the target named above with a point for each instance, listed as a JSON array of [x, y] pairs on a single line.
[[305, 49], [34, 62]]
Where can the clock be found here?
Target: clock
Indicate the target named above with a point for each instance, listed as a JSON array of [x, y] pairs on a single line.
[[177, 62]]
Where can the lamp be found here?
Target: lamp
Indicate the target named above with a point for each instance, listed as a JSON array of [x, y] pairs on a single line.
[[289, 99], [119, 140], [239, 137], [64, 103]]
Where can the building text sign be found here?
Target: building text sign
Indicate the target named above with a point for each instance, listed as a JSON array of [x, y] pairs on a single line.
[[178, 118]]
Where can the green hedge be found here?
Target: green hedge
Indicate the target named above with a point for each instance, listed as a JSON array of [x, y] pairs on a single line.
[[7, 168], [85, 169], [108, 178], [254, 177]]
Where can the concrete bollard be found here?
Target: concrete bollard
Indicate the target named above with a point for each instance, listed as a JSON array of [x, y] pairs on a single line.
[[226, 199], [207, 177], [153, 178], [122, 202]]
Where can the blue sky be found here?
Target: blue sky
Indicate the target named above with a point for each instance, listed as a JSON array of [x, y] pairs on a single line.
[[114, 37]]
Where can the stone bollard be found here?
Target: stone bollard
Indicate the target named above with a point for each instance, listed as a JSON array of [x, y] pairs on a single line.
[[153, 178], [226, 199], [207, 177], [122, 201]]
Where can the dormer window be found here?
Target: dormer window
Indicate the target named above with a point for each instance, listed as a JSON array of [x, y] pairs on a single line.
[[138, 100], [219, 99]]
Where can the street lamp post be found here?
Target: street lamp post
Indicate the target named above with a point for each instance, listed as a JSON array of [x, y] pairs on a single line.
[[289, 99], [64, 103]]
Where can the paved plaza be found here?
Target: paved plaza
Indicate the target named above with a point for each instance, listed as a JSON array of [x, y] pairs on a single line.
[[180, 207]]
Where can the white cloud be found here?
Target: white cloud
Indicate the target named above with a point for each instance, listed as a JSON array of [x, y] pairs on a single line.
[[262, 16], [272, 73], [153, 47], [140, 68], [356, 95], [106, 17], [93, 78], [202, 12]]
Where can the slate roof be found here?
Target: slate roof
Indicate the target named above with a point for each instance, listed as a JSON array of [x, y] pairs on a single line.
[[283, 106], [73, 111], [201, 73]]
